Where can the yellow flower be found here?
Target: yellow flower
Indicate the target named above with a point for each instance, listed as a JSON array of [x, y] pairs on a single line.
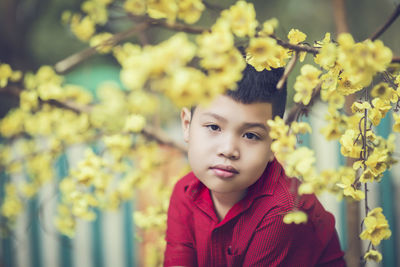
[[5, 74], [269, 27], [327, 55], [373, 255], [159, 9], [265, 53], [96, 10], [136, 7], [295, 36], [242, 18], [305, 83], [299, 163], [360, 106], [376, 161], [383, 91], [361, 61], [300, 127], [296, 217], [82, 28], [135, 123], [396, 125], [187, 87], [346, 86], [190, 10], [379, 110], [368, 176], [347, 180], [102, 42], [277, 128], [376, 227], [350, 148], [64, 221]]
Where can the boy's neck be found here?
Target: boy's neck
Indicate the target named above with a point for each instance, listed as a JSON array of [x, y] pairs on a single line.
[[224, 202]]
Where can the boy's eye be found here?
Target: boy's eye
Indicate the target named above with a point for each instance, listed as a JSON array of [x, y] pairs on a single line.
[[213, 127], [251, 136]]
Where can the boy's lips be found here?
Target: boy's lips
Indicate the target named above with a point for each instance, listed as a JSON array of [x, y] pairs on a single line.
[[224, 171]]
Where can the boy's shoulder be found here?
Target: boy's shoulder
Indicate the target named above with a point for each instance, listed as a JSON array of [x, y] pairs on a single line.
[[186, 186]]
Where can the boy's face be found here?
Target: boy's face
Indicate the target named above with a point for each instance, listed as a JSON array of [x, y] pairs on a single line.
[[228, 144]]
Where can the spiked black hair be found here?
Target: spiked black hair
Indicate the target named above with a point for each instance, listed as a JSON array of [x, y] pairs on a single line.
[[260, 86]]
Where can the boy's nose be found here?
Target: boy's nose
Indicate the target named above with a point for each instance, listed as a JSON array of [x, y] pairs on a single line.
[[228, 148]]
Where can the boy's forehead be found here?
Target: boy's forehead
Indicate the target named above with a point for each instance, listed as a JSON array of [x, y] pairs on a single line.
[[225, 106]]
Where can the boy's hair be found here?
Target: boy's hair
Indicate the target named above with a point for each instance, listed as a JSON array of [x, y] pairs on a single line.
[[260, 86]]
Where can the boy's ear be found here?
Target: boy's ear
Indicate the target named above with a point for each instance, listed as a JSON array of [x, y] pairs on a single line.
[[185, 122]]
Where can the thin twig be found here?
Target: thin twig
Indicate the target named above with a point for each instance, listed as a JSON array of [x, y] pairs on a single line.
[[288, 70], [396, 60], [392, 18], [298, 48]]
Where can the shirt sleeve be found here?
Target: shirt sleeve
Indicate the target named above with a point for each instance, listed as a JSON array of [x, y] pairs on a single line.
[[180, 250], [278, 244]]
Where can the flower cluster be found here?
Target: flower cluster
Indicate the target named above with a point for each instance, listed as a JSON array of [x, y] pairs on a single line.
[[7, 74], [376, 227]]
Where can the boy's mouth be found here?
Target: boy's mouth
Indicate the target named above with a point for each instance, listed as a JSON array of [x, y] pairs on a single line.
[[224, 171]]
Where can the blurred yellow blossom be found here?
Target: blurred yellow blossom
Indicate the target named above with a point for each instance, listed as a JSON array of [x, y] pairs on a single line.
[[135, 123], [305, 83], [96, 10], [361, 61], [83, 28], [242, 18], [373, 255], [12, 205], [269, 27], [190, 10], [136, 7], [379, 110], [350, 144], [160, 9], [102, 42], [296, 217]]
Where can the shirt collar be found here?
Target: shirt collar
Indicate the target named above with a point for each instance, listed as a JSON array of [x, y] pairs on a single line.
[[264, 186]]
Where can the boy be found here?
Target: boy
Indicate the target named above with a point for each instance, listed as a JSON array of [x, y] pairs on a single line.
[[229, 210]]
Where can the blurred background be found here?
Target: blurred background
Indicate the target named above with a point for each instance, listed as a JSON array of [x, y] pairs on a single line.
[[32, 35]]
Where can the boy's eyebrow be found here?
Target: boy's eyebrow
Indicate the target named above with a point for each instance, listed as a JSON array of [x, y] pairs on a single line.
[[255, 124], [245, 125]]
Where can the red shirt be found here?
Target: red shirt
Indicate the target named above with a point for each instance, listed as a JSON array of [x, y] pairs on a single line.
[[252, 233]]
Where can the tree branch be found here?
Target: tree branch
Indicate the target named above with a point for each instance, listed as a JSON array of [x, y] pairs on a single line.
[[392, 18], [73, 60], [298, 48], [288, 70], [162, 138]]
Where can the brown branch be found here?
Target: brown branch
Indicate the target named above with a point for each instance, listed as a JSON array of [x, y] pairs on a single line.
[[392, 18], [162, 138], [298, 48], [77, 58], [396, 60]]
